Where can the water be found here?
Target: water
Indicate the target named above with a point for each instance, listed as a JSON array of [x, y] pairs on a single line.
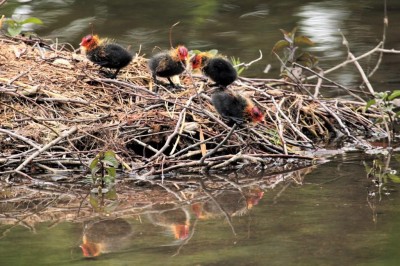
[[332, 214], [235, 28]]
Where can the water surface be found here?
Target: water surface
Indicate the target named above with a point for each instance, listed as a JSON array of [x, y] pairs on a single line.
[[343, 212]]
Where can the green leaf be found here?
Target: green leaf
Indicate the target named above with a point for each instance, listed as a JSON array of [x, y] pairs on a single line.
[[369, 103], [293, 32], [284, 32], [14, 31], [112, 172], [279, 45], [287, 36], [194, 52], [395, 94], [381, 95], [94, 201], [303, 40], [11, 22], [110, 157], [111, 207], [394, 178], [94, 172], [112, 194], [32, 20], [307, 59], [94, 163], [397, 113], [213, 52]]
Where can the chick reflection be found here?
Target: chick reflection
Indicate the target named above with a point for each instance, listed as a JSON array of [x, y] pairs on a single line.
[[105, 236], [232, 203], [176, 220]]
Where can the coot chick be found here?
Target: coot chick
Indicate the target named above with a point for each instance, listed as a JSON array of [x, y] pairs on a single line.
[[216, 68], [169, 63], [104, 54], [236, 107]]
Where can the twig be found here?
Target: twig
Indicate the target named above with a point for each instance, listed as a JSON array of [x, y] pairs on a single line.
[[176, 130], [219, 145], [179, 134], [304, 137], [46, 147], [319, 82], [33, 118], [280, 128], [64, 100], [228, 218], [147, 146], [349, 61], [132, 86], [389, 51], [19, 75], [364, 77], [251, 62], [195, 145], [170, 33], [385, 25], [234, 158], [351, 56], [329, 80], [24, 139]]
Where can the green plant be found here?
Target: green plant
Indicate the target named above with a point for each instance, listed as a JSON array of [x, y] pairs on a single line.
[[386, 102], [237, 65], [14, 27], [104, 170], [291, 46]]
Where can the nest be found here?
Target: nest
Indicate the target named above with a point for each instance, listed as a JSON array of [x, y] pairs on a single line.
[[57, 112]]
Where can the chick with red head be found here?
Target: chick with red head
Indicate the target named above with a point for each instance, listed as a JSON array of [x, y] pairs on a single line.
[[236, 107], [109, 55], [217, 68], [169, 63]]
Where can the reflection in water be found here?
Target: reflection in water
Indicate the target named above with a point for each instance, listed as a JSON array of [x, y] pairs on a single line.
[[230, 203], [105, 236], [174, 219], [321, 22], [207, 214], [230, 219]]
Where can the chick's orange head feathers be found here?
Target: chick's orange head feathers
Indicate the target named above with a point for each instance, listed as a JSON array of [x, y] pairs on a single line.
[[196, 61], [182, 52], [89, 41], [256, 114]]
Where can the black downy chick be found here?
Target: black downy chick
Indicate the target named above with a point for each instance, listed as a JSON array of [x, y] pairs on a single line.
[[109, 55], [168, 63], [216, 68], [236, 107]]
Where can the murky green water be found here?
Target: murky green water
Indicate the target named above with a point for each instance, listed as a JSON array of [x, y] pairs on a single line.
[[335, 214]]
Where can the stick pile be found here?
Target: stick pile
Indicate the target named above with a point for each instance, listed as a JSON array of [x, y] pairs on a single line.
[[57, 113]]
